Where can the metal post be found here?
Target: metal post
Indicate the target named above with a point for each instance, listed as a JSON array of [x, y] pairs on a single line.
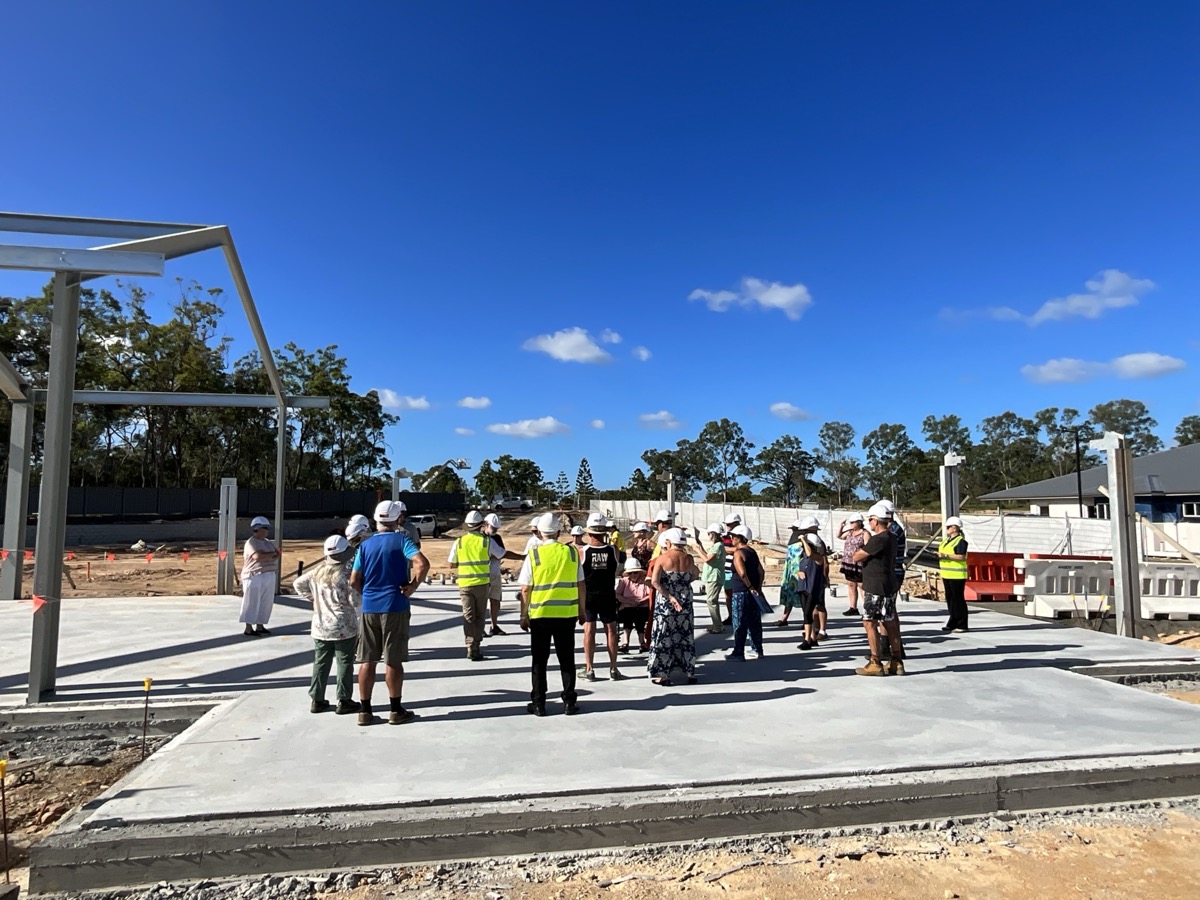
[[227, 536], [1126, 587], [56, 472], [950, 491], [396, 485], [1078, 474], [280, 476], [16, 500], [671, 497]]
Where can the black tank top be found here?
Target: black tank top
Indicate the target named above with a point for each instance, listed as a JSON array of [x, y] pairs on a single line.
[[600, 573]]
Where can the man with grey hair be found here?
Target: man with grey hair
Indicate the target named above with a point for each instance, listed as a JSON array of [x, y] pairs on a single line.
[[552, 592]]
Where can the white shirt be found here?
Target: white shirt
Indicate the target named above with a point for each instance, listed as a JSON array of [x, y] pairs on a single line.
[[526, 576], [494, 550]]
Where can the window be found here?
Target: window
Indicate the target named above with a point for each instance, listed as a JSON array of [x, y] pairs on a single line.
[[1099, 511], [1191, 510]]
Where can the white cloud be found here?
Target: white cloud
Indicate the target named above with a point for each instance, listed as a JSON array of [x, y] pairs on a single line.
[[791, 299], [569, 345], [661, 419], [464, 432], [389, 399], [608, 336], [597, 423], [475, 402], [1069, 370], [641, 354], [790, 412], [530, 428], [1108, 290]]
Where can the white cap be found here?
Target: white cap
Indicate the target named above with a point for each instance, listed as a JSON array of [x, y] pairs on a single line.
[[473, 519], [807, 523], [733, 519], [547, 524], [743, 531], [854, 517], [715, 528], [335, 544], [259, 522], [955, 521], [879, 511], [492, 519], [597, 524], [388, 510], [662, 516], [633, 565], [641, 526], [576, 530]]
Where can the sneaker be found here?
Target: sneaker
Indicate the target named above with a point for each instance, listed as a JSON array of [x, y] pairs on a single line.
[[535, 709], [805, 645], [399, 717], [961, 630], [571, 709], [852, 611], [736, 656], [896, 667], [946, 629], [822, 636], [495, 630], [588, 674], [366, 717], [319, 706], [871, 668], [345, 707], [615, 675]]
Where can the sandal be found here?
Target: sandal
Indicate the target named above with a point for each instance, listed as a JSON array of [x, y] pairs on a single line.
[[661, 682]]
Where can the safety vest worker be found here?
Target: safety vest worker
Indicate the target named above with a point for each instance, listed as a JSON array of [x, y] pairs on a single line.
[[554, 590], [473, 553], [952, 569]]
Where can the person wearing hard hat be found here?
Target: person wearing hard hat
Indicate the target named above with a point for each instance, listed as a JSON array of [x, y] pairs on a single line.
[[853, 534], [577, 533], [642, 548], [614, 538], [880, 586], [491, 526], [672, 635], [661, 523], [358, 529], [634, 597], [260, 571], [334, 625], [387, 570], [747, 587], [731, 521], [472, 555], [952, 560], [552, 596], [534, 540], [712, 573], [797, 582], [897, 531], [600, 568]]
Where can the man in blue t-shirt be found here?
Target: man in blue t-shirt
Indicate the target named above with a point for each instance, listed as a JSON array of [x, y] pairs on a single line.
[[382, 572]]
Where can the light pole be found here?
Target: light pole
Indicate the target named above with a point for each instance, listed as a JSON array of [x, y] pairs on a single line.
[[669, 478]]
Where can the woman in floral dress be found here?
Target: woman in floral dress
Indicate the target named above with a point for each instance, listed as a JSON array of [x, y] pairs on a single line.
[[672, 640]]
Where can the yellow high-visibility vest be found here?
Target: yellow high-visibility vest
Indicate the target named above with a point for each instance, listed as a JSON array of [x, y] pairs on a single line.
[[952, 569], [554, 590], [473, 553]]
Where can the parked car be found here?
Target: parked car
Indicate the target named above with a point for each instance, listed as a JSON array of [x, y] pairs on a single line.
[[426, 524], [511, 504]]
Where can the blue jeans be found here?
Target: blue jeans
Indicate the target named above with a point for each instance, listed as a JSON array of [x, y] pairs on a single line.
[[746, 617]]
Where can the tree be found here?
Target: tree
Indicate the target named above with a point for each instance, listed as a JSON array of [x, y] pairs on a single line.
[[891, 458], [1060, 428], [1188, 431], [1130, 418], [444, 481], [690, 462], [729, 451], [642, 487], [1008, 454], [947, 434], [562, 487], [585, 488], [843, 473], [784, 466]]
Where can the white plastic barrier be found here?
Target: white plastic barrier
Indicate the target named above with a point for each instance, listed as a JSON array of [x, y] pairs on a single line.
[[1170, 590], [1057, 588]]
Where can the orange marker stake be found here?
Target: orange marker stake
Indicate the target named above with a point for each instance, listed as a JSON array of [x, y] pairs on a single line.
[[185, 556]]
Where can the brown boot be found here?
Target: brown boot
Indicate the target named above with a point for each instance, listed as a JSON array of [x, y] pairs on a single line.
[[871, 668], [896, 667]]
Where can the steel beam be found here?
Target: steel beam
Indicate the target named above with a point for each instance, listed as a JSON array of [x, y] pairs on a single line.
[[83, 226], [173, 246], [16, 500], [281, 443], [185, 398], [12, 382], [243, 290], [66, 259], [56, 470]]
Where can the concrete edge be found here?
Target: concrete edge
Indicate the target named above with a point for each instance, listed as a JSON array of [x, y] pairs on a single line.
[[143, 853]]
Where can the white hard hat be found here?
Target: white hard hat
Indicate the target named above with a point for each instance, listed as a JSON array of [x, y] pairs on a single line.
[[955, 521], [610, 524], [492, 519], [733, 519], [473, 519], [335, 544], [854, 517], [641, 526], [715, 528], [547, 523], [672, 536], [889, 506], [743, 531], [259, 522], [662, 516], [632, 564], [806, 523], [576, 530], [879, 511], [388, 510], [597, 524], [358, 525]]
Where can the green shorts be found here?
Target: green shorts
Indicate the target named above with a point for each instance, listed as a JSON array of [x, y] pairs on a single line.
[[383, 636]]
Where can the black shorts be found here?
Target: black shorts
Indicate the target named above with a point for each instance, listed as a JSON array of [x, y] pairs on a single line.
[[852, 574], [606, 615], [634, 616]]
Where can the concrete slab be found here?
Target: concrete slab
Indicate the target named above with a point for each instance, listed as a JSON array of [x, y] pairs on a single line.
[[985, 719]]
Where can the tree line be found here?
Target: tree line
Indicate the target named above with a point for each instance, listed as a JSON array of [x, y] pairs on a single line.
[[120, 348]]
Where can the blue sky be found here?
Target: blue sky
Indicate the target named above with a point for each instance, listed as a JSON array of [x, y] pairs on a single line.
[[868, 212]]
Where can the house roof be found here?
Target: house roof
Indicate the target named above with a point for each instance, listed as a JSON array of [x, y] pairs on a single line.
[[1174, 472]]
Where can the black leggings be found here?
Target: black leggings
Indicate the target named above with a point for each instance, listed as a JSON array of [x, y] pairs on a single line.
[[956, 602]]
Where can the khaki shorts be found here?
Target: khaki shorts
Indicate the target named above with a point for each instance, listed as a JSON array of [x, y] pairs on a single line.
[[383, 636], [495, 589]]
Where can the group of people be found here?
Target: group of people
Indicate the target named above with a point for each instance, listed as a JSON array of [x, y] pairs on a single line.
[[361, 607]]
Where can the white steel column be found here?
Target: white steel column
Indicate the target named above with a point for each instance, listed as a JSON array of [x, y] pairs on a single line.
[[227, 536], [1126, 586], [16, 500]]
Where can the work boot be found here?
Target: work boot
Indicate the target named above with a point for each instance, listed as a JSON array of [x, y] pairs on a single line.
[[345, 707], [896, 667], [365, 716], [535, 709], [871, 668], [571, 709], [400, 716], [319, 706]]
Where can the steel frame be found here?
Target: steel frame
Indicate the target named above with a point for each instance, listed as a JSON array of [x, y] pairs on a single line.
[[142, 249]]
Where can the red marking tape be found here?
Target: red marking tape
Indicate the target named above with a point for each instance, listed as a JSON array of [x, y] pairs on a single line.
[[149, 556], [224, 553], [38, 602], [111, 557], [185, 556]]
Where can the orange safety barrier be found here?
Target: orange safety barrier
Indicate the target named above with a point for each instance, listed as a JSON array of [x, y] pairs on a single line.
[[992, 576]]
